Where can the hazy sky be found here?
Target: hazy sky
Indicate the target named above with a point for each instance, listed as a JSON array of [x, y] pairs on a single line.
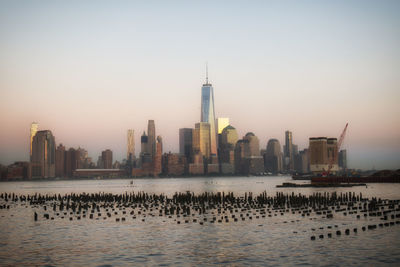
[[90, 70]]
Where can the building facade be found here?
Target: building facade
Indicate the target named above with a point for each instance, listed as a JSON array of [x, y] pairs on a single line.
[[273, 157], [186, 142], [130, 153], [43, 160], [288, 151], [202, 139], [322, 152], [107, 158], [208, 114], [151, 132]]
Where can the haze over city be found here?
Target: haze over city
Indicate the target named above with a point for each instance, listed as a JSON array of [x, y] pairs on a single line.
[[89, 71]]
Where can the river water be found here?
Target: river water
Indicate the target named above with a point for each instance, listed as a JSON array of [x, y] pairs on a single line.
[[159, 241]]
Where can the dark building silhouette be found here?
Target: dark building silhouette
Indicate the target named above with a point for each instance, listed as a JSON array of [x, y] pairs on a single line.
[[247, 156], [273, 157], [107, 158], [185, 142], [60, 161]]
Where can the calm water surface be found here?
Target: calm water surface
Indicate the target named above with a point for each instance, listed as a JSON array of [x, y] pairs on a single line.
[[279, 240]]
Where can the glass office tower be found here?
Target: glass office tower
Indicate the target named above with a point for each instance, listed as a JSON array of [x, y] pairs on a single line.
[[208, 114]]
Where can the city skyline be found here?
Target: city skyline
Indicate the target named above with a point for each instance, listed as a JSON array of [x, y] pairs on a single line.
[[89, 89]]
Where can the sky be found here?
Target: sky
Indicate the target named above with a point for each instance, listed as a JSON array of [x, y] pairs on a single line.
[[90, 70]]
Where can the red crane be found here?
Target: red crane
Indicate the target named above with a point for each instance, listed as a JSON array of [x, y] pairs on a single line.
[[339, 144]]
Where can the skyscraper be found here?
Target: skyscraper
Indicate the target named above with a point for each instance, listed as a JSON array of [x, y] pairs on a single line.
[[34, 129], [288, 153], [60, 161], [201, 139], [151, 131], [43, 160], [208, 113], [273, 156], [226, 153], [185, 142], [144, 144], [130, 145], [107, 158]]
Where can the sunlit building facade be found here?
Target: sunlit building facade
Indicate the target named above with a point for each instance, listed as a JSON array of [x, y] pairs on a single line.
[[151, 132], [201, 139], [43, 160], [34, 129], [130, 154]]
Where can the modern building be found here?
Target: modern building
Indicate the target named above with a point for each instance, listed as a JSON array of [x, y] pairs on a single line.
[[107, 158], [247, 155], [202, 140], [208, 114], [151, 132], [34, 129], [288, 151], [130, 153], [43, 161], [157, 161], [144, 141], [302, 162], [228, 139], [186, 142], [273, 157]]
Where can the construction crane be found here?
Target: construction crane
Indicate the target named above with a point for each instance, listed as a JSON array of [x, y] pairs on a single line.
[[339, 144]]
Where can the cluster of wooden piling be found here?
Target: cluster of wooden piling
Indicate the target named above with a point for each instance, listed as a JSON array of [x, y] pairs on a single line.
[[207, 207]]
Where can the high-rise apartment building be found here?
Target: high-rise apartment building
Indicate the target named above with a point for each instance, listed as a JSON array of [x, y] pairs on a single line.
[[130, 155], [151, 132], [288, 153], [34, 129], [208, 113], [43, 160]]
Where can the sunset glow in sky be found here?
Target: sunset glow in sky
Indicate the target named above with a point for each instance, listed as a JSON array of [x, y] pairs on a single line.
[[90, 70]]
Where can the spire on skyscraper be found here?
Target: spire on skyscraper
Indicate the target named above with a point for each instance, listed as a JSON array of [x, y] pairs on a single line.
[[206, 72]]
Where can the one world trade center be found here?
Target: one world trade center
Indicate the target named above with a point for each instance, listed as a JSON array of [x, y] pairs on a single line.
[[208, 112]]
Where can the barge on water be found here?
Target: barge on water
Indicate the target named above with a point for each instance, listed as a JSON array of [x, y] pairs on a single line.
[[360, 179]]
